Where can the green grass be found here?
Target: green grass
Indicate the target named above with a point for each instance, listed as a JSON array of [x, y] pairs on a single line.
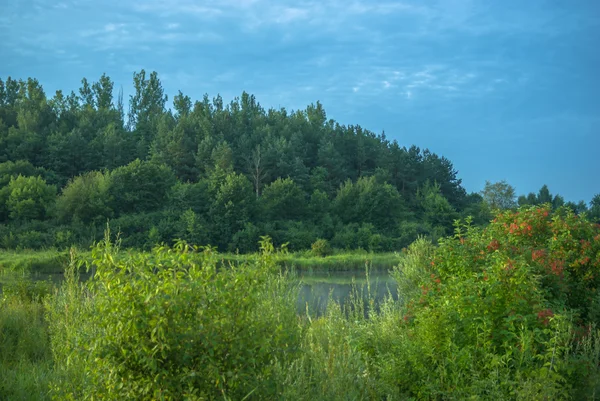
[[54, 262], [341, 262], [25, 356], [44, 262], [304, 261]]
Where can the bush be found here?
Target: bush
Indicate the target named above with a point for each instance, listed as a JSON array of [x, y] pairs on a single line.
[[504, 312], [33, 240], [321, 248], [170, 325]]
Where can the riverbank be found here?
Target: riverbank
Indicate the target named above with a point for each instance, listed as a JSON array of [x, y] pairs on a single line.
[[55, 262]]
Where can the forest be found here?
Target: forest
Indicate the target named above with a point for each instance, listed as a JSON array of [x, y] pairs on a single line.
[[222, 174], [171, 225]]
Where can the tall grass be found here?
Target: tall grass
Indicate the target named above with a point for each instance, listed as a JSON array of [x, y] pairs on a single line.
[[26, 367]]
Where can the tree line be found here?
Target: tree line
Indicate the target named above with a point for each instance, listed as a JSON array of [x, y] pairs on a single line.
[[215, 173]]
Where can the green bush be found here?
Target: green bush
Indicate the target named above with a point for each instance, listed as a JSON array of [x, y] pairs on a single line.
[[321, 248], [505, 312], [170, 325]]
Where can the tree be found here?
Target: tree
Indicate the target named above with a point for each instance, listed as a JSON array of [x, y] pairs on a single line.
[[499, 195], [283, 200], [544, 195], [477, 208], [367, 201], [194, 196], [182, 105], [30, 198], [12, 169], [113, 143], [577, 208], [232, 208], [332, 161], [86, 198], [140, 187], [257, 169], [436, 209], [86, 94], [103, 93], [594, 211], [174, 146], [146, 106]]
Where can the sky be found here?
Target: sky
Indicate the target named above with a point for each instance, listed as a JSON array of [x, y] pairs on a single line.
[[507, 90]]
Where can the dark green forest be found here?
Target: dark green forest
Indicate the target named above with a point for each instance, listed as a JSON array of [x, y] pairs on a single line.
[[221, 174]]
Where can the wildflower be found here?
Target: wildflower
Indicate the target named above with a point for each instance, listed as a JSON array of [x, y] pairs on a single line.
[[493, 245], [538, 254]]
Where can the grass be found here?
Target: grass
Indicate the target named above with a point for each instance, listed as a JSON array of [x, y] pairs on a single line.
[[343, 278], [348, 261], [25, 357], [54, 261], [342, 261], [34, 262]]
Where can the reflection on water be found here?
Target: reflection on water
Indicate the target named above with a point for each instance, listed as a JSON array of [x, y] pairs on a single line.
[[318, 287], [8, 277]]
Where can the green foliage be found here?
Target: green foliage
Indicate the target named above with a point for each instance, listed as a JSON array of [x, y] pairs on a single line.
[[85, 198], [33, 262], [310, 177], [414, 268], [12, 169], [496, 313], [232, 208], [321, 248], [368, 201], [192, 228], [140, 187], [134, 229], [594, 212], [505, 312], [170, 325], [25, 358], [29, 198], [283, 199], [436, 210], [499, 195]]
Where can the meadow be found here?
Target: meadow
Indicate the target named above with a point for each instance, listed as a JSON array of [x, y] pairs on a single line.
[[506, 312]]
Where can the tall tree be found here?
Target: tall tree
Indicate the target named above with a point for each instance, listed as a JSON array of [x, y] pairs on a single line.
[[146, 107], [499, 195]]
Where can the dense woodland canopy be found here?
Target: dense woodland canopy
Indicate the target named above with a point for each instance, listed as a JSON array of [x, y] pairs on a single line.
[[220, 174]]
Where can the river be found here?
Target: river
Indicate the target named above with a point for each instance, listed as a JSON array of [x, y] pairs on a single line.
[[316, 287]]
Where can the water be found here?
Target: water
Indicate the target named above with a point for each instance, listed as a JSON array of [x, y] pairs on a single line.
[[316, 287]]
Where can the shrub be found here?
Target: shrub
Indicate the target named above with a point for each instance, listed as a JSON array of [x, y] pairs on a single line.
[[500, 313], [321, 248], [170, 325]]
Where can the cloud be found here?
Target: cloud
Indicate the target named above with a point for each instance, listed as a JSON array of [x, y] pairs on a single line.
[[112, 27], [174, 7]]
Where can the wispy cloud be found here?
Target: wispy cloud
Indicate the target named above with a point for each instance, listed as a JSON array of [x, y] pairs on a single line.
[[174, 7]]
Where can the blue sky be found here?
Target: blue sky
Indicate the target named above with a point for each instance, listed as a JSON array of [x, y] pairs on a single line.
[[505, 89]]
